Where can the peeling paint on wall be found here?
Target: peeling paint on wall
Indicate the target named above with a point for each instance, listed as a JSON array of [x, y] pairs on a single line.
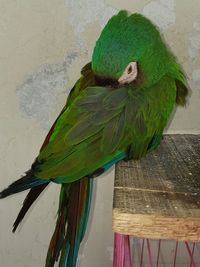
[[38, 93], [80, 257], [162, 13], [194, 47], [110, 251], [196, 76], [86, 12], [196, 25]]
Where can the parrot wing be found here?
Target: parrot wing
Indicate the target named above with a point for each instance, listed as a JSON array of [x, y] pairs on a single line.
[[87, 134], [98, 127], [86, 79]]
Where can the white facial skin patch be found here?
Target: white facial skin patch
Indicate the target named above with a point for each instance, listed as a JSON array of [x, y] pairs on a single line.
[[130, 73]]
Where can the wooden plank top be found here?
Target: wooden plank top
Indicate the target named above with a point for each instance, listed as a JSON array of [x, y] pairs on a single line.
[[158, 196]]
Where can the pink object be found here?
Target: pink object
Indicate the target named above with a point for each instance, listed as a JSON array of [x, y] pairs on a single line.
[[122, 252], [118, 250], [149, 253], [128, 261]]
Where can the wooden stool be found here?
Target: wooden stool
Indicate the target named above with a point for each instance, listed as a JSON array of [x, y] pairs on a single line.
[[158, 197]]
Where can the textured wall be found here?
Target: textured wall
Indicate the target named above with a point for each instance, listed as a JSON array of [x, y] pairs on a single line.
[[43, 45]]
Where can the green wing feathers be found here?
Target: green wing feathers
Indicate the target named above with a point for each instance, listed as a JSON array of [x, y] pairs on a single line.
[[81, 136], [182, 86], [100, 123]]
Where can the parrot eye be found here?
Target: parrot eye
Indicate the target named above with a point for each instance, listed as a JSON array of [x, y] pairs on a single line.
[[129, 74], [129, 69]]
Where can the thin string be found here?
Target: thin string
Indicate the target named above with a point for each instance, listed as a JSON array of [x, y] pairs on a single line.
[[142, 253], [149, 253], [191, 255], [193, 248], [127, 251], [175, 253], [158, 254]]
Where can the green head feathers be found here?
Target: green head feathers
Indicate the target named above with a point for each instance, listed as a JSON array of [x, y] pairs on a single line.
[[127, 38]]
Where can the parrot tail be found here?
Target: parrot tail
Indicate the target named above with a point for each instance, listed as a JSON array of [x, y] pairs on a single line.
[[74, 207], [26, 182], [22, 184], [30, 198]]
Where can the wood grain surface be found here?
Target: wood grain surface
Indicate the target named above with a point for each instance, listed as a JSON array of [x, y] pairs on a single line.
[[158, 196]]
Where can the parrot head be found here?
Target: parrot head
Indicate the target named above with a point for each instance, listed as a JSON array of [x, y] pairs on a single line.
[[130, 50]]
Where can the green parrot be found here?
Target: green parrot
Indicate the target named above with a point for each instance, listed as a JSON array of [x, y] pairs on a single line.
[[116, 111]]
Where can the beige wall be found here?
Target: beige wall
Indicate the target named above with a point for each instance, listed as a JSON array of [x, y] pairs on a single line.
[[43, 45]]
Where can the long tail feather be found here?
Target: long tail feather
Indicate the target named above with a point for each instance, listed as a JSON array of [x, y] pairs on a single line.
[[74, 207], [30, 198], [60, 229], [24, 183], [78, 212]]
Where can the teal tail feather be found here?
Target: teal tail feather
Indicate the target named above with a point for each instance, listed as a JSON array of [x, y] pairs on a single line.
[[60, 229], [74, 207]]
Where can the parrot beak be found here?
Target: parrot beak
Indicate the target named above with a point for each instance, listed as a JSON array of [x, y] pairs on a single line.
[[130, 73]]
